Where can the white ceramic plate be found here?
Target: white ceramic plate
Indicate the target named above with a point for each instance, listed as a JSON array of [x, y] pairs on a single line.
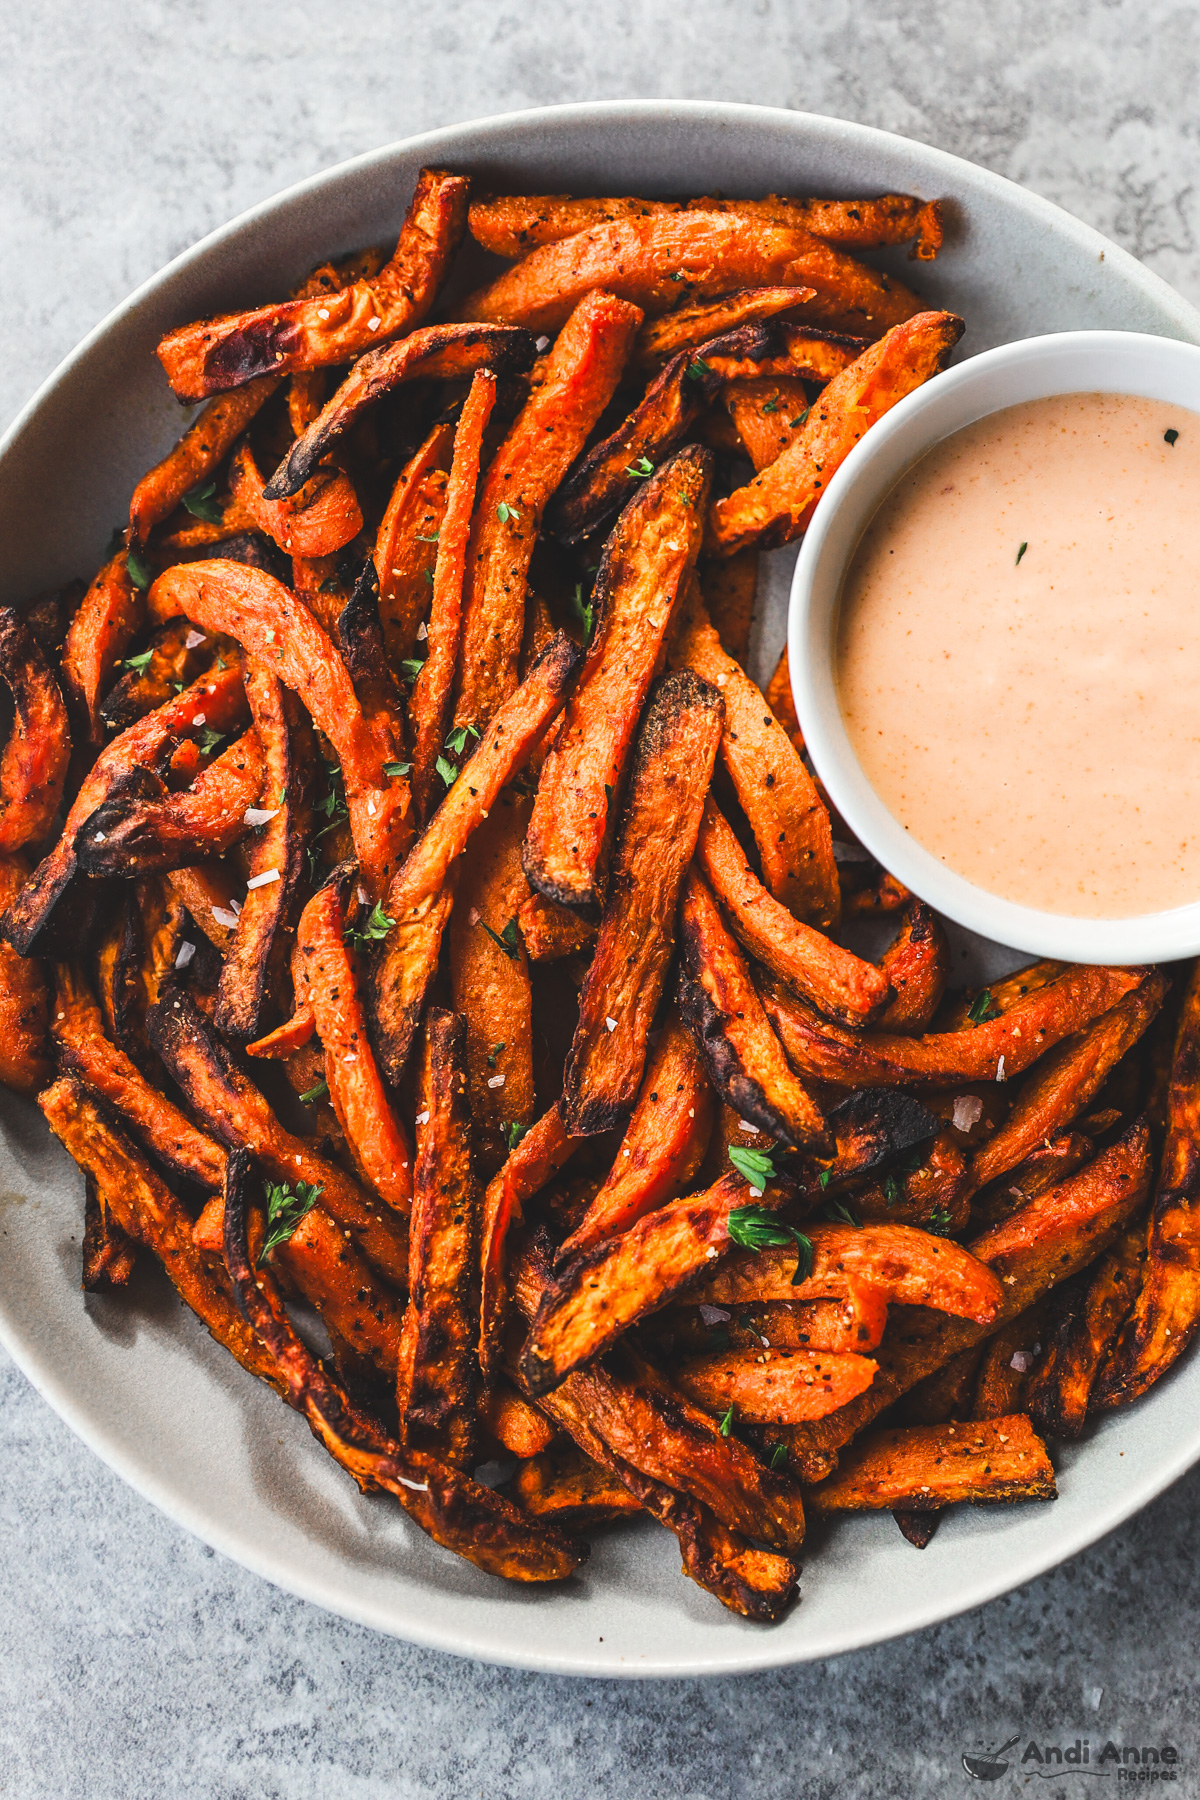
[[142, 1383]]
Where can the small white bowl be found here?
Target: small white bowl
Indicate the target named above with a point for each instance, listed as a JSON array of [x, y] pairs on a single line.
[[1121, 362]]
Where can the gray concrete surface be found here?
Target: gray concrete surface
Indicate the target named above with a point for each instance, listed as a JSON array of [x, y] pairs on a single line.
[[134, 1662]]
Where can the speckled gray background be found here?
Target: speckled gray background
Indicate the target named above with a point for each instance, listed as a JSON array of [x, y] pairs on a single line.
[[135, 1663]]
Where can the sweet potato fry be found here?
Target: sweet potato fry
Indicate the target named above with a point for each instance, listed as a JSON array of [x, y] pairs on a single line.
[[277, 630], [455, 1511], [930, 1466], [843, 986], [1001, 1380], [147, 830], [745, 1059], [429, 703], [221, 701], [34, 765], [109, 1256], [645, 565], [777, 794], [510, 225], [198, 453], [551, 932], [320, 520], [206, 890], [729, 590], [236, 1113], [669, 259], [768, 415], [663, 1146], [571, 1490], [946, 1394], [915, 963], [1084, 1319], [326, 983], [568, 392], [690, 326], [536, 1159], [996, 1049], [600, 485], [773, 1387], [148, 1212], [865, 224], [420, 898], [672, 767], [777, 505], [216, 354], [780, 350], [24, 1000], [438, 1373], [936, 1193], [1064, 1082], [406, 544], [109, 617], [518, 1427], [1167, 1309], [175, 659]]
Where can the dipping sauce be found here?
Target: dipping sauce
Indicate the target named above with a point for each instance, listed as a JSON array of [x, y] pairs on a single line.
[[1018, 654]]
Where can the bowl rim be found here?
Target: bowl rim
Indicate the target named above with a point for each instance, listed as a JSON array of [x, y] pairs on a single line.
[[744, 1652], [1053, 363]]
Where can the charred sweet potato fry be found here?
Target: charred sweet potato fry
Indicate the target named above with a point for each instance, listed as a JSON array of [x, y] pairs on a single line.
[[646, 563], [24, 1000], [1084, 1319], [149, 1213], [150, 830], [672, 768], [234, 1110], [34, 765], [690, 326], [109, 1256], [865, 224], [599, 487], [915, 963], [840, 984], [535, 1160], [571, 1490], [643, 260], [773, 1386], [177, 656], [429, 703], [780, 350], [729, 590], [206, 890], [516, 1425], [1166, 1311], [438, 1373], [995, 1049], [406, 544], [455, 1511], [931, 1466], [777, 794], [721, 1008], [420, 898], [215, 354], [569, 390], [325, 977], [551, 932], [777, 505], [198, 453], [936, 1192], [323, 516], [663, 1146], [109, 617], [218, 698], [277, 630], [768, 415]]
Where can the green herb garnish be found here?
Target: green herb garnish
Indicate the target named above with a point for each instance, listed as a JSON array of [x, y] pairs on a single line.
[[770, 405], [756, 1165], [373, 932], [778, 1456], [1170, 437], [938, 1219], [756, 1228], [582, 609], [209, 739], [641, 470], [424, 538], [824, 1178], [799, 419], [980, 1007], [839, 1213], [140, 572], [505, 512], [201, 504], [286, 1206], [509, 939], [315, 1093], [457, 740], [411, 667], [447, 771], [493, 1053], [726, 1425], [394, 770], [1021, 552], [513, 1134], [697, 369], [139, 664]]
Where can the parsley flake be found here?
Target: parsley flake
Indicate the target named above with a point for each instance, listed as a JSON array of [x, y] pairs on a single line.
[[981, 1007], [582, 609], [209, 739], [509, 939], [756, 1165], [697, 369], [373, 932], [1021, 552], [778, 1458], [505, 512], [315, 1093], [839, 1214], [770, 405], [641, 470], [394, 770], [447, 770], [513, 1134], [411, 667], [457, 740], [426, 537], [938, 1219], [756, 1228], [493, 1053], [286, 1206], [726, 1425], [1170, 437], [799, 419], [139, 664], [201, 503], [139, 570]]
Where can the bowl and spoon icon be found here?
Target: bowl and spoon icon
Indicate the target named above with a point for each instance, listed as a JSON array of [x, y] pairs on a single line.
[[989, 1767]]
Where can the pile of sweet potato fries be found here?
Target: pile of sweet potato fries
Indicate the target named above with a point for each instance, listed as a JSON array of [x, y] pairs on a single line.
[[413, 908]]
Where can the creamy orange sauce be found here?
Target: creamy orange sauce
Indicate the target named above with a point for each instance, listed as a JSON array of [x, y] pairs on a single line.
[[1035, 723]]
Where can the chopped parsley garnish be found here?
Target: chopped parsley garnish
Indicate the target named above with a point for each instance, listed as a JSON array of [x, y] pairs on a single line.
[[201, 503], [756, 1165], [892, 1191], [938, 1219], [671, 276], [317, 1092], [697, 369], [726, 1425], [641, 470], [981, 1007], [839, 1213], [493, 1053], [373, 932], [140, 572], [824, 1178], [426, 537], [771, 405], [509, 939], [411, 667], [394, 770], [505, 512], [778, 1456], [447, 770], [1021, 552], [457, 739], [608, 793], [582, 609], [209, 739], [139, 664], [286, 1206], [429, 577], [1170, 437], [513, 1134], [756, 1228], [799, 419]]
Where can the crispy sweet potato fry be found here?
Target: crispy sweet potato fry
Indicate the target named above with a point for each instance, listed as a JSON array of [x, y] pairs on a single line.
[[663, 1146], [1000, 1382], [320, 520], [645, 564], [173, 660], [438, 1373], [866, 224], [455, 1511], [729, 590], [745, 1059], [234, 1110], [24, 1001], [510, 225], [774, 1386], [915, 963], [768, 415], [777, 505], [429, 704], [690, 326], [570, 1489], [551, 932], [1084, 1319], [671, 771], [109, 1256], [406, 543], [644, 259], [326, 984], [198, 452], [1167, 1309], [824, 1052], [420, 898], [518, 1427], [600, 485], [840, 984], [147, 830], [568, 392], [780, 350], [34, 765], [277, 630], [109, 616], [216, 354], [206, 889], [148, 1212], [786, 814], [220, 699], [930, 1466]]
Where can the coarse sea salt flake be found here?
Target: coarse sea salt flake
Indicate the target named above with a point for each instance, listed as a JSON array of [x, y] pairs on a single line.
[[375, 323], [423, 1118], [611, 1023], [968, 1110], [1022, 1361], [259, 815], [714, 1315], [1000, 1070], [199, 719], [263, 880], [193, 639], [223, 916], [495, 1081], [186, 953]]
